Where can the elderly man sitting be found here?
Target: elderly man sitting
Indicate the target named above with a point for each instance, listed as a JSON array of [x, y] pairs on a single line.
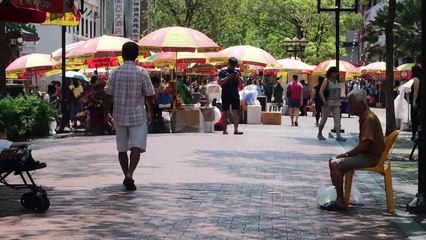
[[366, 154]]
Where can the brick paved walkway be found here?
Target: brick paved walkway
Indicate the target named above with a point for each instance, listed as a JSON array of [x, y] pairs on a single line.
[[197, 186]]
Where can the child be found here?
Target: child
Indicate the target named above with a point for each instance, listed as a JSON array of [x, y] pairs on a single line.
[[5, 144]]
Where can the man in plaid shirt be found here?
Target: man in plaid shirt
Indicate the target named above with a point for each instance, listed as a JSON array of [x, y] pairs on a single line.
[[130, 88]]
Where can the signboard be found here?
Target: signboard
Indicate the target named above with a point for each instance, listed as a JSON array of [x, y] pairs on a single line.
[[119, 18], [53, 6], [136, 20]]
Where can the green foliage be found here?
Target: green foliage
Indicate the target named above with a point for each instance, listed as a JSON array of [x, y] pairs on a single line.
[[261, 23], [407, 37], [26, 117]]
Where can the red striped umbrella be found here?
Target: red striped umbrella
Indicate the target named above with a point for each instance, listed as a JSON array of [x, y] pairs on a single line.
[[343, 66], [31, 63]]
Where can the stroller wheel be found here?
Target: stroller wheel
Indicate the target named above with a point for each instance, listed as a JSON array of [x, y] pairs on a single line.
[[28, 200], [41, 204]]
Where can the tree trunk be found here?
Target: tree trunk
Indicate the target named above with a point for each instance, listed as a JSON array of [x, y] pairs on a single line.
[[2, 60], [390, 109]]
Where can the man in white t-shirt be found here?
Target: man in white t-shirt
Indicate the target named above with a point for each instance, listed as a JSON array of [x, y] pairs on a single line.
[[6, 144]]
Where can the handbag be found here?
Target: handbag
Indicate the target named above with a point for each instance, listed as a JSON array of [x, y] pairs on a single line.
[[288, 92]]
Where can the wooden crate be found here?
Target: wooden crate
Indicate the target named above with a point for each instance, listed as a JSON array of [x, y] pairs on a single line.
[[271, 118]]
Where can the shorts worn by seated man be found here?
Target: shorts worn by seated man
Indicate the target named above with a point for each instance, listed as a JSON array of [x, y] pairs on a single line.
[[359, 161]]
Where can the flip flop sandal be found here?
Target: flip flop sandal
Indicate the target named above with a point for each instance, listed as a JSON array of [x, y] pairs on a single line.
[[333, 207], [238, 133], [225, 133], [129, 184]]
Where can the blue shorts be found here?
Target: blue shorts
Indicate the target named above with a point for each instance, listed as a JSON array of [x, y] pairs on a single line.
[[293, 103]]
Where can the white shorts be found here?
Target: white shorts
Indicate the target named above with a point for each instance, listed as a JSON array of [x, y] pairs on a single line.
[[131, 137]]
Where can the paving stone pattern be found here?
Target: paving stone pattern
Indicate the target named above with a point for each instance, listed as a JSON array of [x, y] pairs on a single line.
[[194, 186]]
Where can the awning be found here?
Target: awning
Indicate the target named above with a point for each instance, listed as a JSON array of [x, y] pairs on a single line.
[[26, 11]]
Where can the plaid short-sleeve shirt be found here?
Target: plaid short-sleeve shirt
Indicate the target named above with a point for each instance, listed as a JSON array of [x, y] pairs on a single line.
[[128, 85]]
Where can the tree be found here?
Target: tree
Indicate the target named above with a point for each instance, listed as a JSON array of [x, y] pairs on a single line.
[[406, 31], [390, 110], [261, 23]]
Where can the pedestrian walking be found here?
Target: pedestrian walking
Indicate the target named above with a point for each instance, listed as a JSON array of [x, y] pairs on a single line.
[[330, 96], [130, 88], [295, 99], [316, 99], [304, 108], [230, 79]]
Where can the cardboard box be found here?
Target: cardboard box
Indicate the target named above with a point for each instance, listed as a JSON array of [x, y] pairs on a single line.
[[271, 118]]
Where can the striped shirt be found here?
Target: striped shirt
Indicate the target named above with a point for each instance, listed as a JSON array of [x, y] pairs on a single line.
[[128, 85]]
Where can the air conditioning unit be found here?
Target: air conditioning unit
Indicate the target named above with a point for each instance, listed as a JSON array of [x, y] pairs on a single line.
[[96, 15]]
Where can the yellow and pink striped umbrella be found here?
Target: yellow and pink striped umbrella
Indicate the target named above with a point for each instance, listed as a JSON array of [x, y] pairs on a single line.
[[178, 39], [31, 63], [249, 55], [105, 46]]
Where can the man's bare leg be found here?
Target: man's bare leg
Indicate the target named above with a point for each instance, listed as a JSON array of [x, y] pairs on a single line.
[[124, 162], [236, 119], [337, 180], [225, 122], [292, 116], [135, 155]]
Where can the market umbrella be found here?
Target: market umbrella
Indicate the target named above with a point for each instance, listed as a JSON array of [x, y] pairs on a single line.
[[405, 67], [31, 63], [100, 47], [173, 58], [178, 39], [293, 64], [57, 55], [343, 66], [249, 55], [76, 75], [375, 67]]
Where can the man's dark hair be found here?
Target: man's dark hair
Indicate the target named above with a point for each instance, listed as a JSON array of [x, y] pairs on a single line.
[[93, 80], [130, 51], [233, 61], [295, 77], [2, 127], [330, 71], [417, 72], [51, 89], [302, 82]]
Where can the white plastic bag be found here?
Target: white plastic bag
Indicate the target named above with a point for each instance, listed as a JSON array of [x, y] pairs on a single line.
[[250, 94], [401, 107], [356, 196], [326, 195]]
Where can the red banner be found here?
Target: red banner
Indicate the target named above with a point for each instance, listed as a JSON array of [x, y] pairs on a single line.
[[53, 6], [102, 62]]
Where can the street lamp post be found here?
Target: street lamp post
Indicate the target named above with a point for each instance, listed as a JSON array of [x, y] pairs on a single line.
[[295, 46], [337, 10], [418, 204]]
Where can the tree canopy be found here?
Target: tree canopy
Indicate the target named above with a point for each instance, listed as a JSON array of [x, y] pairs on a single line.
[[261, 23], [407, 39]]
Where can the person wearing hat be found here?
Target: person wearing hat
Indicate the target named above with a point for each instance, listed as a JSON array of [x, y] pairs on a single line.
[[229, 79]]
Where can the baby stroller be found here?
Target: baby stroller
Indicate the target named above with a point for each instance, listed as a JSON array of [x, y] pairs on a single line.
[[20, 162]]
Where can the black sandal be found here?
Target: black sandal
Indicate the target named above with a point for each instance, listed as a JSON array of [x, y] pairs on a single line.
[[333, 207]]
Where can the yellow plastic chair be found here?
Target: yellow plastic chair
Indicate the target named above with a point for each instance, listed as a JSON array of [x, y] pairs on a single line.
[[383, 167]]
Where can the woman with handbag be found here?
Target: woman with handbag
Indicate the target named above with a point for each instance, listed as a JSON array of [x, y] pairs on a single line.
[[330, 96]]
